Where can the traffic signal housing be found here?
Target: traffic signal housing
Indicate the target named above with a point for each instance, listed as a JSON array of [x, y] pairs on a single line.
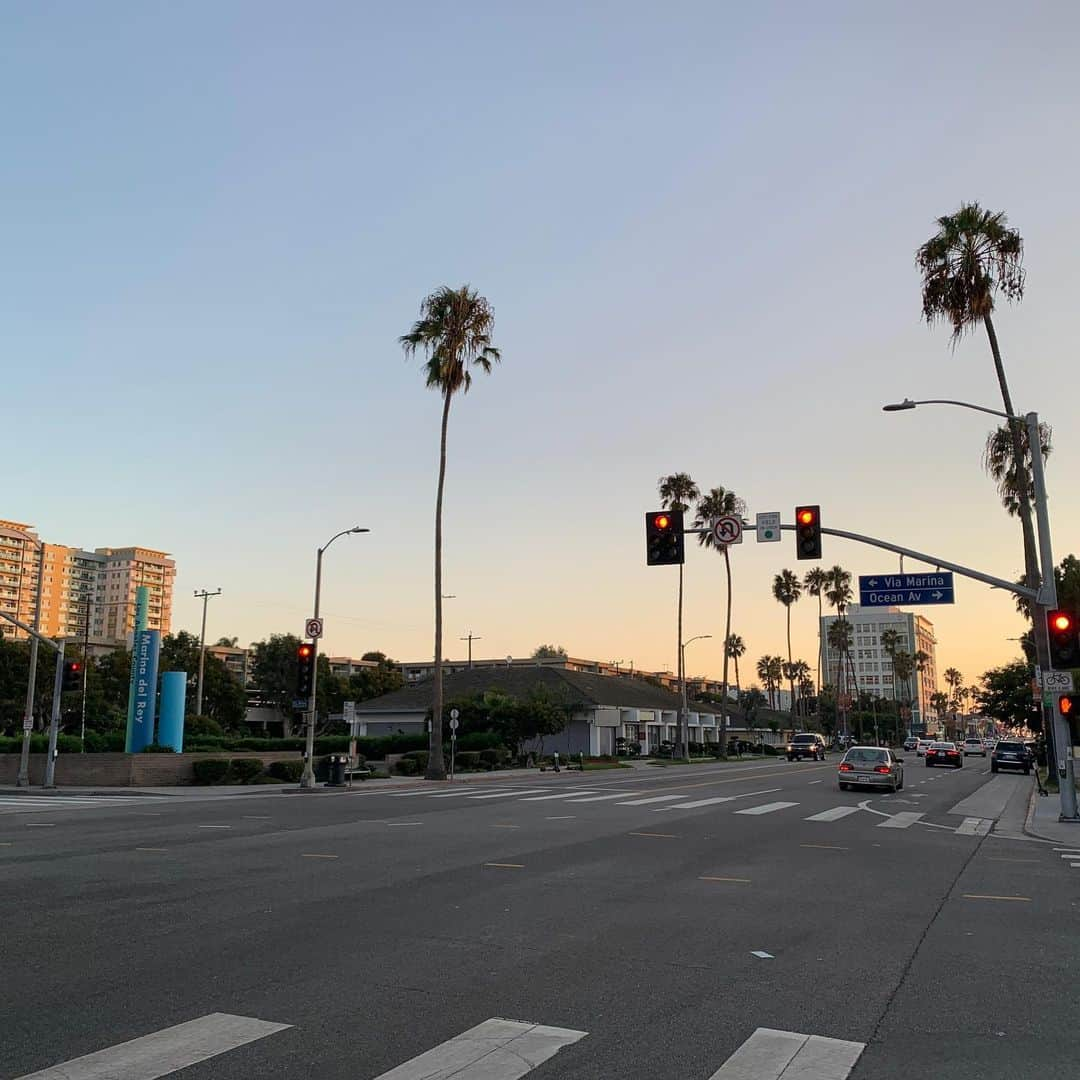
[[807, 532], [1069, 706], [72, 678], [305, 669], [1062, 629], [664, 543]]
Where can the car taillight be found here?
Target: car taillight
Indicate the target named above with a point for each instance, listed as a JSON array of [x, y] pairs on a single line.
[[954, 753], [881, 768], [845, 767]]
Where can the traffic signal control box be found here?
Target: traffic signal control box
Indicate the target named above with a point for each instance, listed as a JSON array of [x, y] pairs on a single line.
[[664, 542]]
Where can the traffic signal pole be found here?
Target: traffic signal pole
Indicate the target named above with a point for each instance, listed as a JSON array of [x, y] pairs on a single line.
[[308, 778]]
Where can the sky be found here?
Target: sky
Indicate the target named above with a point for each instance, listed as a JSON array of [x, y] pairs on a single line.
[[696, 224]]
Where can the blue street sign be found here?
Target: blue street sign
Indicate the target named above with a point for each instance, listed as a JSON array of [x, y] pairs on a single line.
[[885, 590]]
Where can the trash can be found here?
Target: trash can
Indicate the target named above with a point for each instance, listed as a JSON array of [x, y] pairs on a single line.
[[336, 764]]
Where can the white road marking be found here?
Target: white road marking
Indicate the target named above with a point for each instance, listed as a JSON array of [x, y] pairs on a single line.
[[560, 795], [505, 794], [817, 781], [973, 826], [1071, 851], [835, 814], [494, 1050], [761, 955], [164, 1052], [563, 817], [718, 799], [651, 799], [904, 820], [767, 808], [769, 1054], [462, 793], [41, 824], [603, 798]]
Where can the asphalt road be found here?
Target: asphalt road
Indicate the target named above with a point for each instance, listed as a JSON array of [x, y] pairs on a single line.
[[378, 925]]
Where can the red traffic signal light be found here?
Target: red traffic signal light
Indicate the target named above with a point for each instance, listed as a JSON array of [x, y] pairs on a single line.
[[662, 521], [807, 532], [1061, 620], [1061, 629], [1069, 705], [304, 651], [305, 669], [806, 516], [71, 681], [664, 543]]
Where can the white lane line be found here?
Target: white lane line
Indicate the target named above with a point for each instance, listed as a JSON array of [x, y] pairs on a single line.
[[769, 1054], [767, 808], [41, 824], [904, 820], [164, 1052], [560, 795], [494, 1050], [507, 794], [973, 826], [461, 794], [835, 814], [817, 781], [651, 799], [562, 817], [604, 798], [1070, 850]]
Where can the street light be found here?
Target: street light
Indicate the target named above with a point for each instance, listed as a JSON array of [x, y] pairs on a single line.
[[684, 731], [308, 778], [1046, 597]]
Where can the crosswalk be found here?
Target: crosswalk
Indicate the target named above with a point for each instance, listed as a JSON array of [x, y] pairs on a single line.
[[970, 826], [495, 1049], [38, 804]]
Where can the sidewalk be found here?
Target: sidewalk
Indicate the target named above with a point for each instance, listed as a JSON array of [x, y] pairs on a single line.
[[1042, 820]]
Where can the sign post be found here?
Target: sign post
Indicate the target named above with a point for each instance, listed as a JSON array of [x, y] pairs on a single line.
[[348, 709], [887, 590], [454, 714]]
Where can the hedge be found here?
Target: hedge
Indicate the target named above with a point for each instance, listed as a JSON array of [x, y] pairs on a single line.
[[407, 767], [245, 769], [211, 771], [288, 771]]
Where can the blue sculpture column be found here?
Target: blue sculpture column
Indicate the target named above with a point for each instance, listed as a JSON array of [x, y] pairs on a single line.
[[171, 713]]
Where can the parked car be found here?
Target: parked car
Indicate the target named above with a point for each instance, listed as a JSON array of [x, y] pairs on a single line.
[[944, 753], [871, 766], [922, 746], [911, 742], [973, 745], [807, 744], [1011, 754]]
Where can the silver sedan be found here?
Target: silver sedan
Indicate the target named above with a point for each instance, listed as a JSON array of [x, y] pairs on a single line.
[[872, 766]]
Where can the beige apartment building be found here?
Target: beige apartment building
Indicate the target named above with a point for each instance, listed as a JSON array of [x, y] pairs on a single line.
[[79, 585]]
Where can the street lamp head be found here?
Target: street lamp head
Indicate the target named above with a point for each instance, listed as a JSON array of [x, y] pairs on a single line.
[[899, 406], [357, 529]]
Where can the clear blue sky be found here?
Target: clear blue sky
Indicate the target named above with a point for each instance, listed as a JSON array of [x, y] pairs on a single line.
[[696, 224]]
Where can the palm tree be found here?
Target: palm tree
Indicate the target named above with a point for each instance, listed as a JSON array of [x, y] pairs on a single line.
[[800, 676], [736, 647], [940, 704], [1000, 461], [786, 589], [921, 660], [454, 333], [953, 680], [677, 492], [838, 593], [816, 581], [228, 642], [889, 641], [903, 667], [972, 258], [839, 637], [715, 503], [768, 671]]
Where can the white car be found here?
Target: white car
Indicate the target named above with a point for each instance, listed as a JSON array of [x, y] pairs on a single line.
[[922, 747], [973, 745]]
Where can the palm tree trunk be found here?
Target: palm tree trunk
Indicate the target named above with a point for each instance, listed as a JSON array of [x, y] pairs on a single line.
[[791, 674], [727, 635], [820, 650], [682, 749], [436, 770]]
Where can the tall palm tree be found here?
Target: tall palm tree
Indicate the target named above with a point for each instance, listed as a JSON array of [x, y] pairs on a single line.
[[890, 639], [903, 667], [786, 589], [1000, 458], [454, 333], [816, 580], [953, 680], [736, 647], [768, 671], [838, 593], [839, 638], [921, 660], [715, 503], [677, 492], [974, 257], [800, 675]]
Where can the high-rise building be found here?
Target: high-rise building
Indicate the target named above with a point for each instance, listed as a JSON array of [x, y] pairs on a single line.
[[871, 668], [78, 585]]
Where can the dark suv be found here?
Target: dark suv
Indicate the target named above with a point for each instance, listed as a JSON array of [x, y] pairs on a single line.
[[1011, 754], [805, 745]]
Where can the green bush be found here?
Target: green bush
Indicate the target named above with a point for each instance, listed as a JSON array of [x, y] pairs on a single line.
[[211, 770], [489, 758], [286, 771], [154, 748], [264, 778], [245, 769], [465, 760], [105, 742], [198, 726], [407, 767], [478, 740]]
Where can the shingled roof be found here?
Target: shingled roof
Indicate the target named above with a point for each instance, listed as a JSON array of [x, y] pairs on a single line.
[[569, 687]]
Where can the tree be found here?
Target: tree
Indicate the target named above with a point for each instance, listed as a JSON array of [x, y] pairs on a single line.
[[890, 639], [454, 332], [718, 502], [677, 492], [974, 257], [939, 702], [786, 589], [1005, 696], [838, 593], [227, 642], [735, 647], [549, 652], [903, 668], [273, 674], [816, 581], [224, 699], [839, 638], [954, 681]]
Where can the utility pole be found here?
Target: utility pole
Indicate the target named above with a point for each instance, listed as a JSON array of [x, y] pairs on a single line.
[[23, 779], [470, 639], [205, 596], [85, 677]]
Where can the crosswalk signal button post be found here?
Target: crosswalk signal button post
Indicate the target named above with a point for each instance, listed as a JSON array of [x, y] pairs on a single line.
[[664, 542], [807, 532]]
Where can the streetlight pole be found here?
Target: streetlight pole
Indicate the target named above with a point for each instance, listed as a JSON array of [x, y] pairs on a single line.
[[307, 780], [685, 725], [23, 779], [1046, 596], [202, 646]]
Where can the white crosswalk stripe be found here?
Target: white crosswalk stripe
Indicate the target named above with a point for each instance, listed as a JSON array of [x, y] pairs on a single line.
[[494, 1050], [904, 820], [766, 808], [702, 802], [769, 1054], [973, 826], [164, 1052], [651, 799], [508, 794], [605, 798], [557, 795], [36, 804], [835, 814]]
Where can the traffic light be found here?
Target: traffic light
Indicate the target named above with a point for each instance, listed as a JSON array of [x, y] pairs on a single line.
[[73, 676], [807, 532], [305, 669], [1061, 628], [1069, 706], [664, 544]]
